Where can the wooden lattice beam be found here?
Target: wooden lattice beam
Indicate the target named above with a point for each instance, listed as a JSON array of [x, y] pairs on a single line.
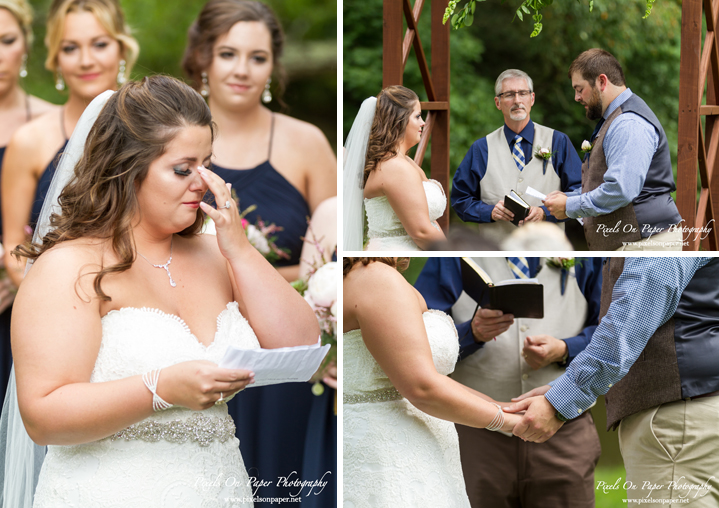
[[396, 50]]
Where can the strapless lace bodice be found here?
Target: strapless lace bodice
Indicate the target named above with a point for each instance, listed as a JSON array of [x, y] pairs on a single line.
[[362, 373], [385, 230], [136, 468], [394, 454]]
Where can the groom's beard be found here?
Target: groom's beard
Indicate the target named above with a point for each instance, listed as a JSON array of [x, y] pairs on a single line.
[[594, 106]]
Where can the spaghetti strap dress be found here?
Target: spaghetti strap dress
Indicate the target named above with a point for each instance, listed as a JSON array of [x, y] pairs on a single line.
[[272, 421]]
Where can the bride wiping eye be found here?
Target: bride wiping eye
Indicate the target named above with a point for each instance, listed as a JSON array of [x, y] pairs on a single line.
[[182, 172]]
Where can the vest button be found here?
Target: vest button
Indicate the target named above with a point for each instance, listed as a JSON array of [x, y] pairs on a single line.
[[525, 376]]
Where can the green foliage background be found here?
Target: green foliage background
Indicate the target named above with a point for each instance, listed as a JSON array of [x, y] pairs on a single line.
[[647, 49], [161, 28]]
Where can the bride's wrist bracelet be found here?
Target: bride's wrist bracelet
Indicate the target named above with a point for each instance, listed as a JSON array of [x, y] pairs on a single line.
[[498, 421], [150, 379]]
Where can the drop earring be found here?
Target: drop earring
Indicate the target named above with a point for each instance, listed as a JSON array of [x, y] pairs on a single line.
[[121, 73], [59, 83], [205, 89], [23, 66], [266, 94]]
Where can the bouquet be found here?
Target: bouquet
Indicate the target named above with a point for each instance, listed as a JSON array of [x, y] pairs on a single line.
[[262, 236]]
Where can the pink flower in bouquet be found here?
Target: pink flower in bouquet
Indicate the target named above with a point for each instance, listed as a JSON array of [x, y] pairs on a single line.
[[245, 222]]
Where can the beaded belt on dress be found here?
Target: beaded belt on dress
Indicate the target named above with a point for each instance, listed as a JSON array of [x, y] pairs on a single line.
[[198, 428], [384, 395], [387, 234]]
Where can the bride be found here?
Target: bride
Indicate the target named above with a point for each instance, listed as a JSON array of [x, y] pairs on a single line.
[[120, 323], [402, 204], [400, 447]]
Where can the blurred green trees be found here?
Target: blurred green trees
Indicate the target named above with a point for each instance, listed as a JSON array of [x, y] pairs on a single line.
[[161, 28], [648, 50]]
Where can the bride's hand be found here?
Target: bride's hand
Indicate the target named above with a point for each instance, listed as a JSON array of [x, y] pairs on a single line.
[[510, 421], [198, 384], [230, 235]]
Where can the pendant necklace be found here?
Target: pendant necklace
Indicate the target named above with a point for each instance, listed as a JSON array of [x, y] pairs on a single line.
[[166, 266]]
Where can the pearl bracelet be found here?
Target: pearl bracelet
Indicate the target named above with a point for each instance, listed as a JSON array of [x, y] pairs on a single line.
[[498, 421], [150, 379]]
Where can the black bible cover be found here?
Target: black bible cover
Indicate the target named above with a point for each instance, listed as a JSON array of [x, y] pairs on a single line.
[[521, 299], [517, 206]]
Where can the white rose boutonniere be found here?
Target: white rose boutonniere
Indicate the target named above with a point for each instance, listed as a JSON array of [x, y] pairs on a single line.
[[545, 154], [586, 148]]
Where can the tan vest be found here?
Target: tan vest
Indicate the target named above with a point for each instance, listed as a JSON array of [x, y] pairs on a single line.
[[498, 369], [624, 219], [503, 176]]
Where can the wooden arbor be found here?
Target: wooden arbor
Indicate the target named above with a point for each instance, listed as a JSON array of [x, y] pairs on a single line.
[[699, 147], [436, 84]]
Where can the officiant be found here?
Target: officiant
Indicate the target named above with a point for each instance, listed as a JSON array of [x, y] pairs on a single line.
[[518, 155], [503, 357], [627, 179]]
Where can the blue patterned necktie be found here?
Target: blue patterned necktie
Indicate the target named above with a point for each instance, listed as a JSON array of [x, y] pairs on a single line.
[[517, 153], [596, 130], [519, 267]]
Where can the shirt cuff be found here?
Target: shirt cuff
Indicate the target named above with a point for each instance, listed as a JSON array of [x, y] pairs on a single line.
[[485, 212], [567, 398], [573, 206], [548, 216]]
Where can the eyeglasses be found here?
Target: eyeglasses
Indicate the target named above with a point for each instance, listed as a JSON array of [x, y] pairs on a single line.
[[508, 96]]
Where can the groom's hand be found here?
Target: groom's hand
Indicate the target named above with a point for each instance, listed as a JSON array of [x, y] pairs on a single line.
[[556, 203], [531, 393], [539, 422], [501, 213], [488, 323]]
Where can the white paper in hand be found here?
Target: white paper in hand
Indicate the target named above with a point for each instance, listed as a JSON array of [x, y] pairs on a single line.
[[535, 193], [274, 366]]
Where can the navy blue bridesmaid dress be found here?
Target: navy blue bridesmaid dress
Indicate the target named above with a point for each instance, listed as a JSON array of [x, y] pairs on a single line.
[[273, 421], [5, 351]]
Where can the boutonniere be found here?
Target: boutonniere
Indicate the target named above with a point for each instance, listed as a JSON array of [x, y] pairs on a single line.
[[565, 264], [586, 148], [546, 154]]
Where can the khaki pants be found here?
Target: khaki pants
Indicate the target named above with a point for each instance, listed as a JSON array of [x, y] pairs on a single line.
[[506, 472], [671, 452], [666, 241]]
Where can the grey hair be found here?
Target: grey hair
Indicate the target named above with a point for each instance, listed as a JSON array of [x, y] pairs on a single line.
[[512, 73]]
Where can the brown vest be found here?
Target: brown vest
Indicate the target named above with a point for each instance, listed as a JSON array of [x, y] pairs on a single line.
[[623, 220], [654, 377]]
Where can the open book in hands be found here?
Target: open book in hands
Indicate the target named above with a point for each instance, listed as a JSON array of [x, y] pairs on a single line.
[[274, 366], [523, 298]]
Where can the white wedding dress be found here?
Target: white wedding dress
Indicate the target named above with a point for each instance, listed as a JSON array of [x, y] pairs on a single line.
[[396, 456], [385, 231], [174, 459]]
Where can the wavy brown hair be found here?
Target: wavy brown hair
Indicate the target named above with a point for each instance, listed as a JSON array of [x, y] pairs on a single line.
[[400, 264], [394, 107], [216, 19], [132, 130]]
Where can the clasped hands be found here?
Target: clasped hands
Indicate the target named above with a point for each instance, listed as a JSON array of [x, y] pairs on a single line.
[[539, 422]]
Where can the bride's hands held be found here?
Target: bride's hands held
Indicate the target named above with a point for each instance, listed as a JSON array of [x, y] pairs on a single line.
[[510, 421], [198, 384], [230, 235]]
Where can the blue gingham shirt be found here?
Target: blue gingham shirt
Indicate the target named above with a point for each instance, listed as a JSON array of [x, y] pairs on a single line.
[[629, 146], [645, 297]]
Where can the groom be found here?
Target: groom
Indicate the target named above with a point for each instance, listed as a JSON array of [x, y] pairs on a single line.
[[627, 178], [654, 354], [508, 159], [503, 357]]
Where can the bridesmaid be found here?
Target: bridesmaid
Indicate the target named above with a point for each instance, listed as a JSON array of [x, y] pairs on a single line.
[[286, 168], [16, 108], [90, 50]]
